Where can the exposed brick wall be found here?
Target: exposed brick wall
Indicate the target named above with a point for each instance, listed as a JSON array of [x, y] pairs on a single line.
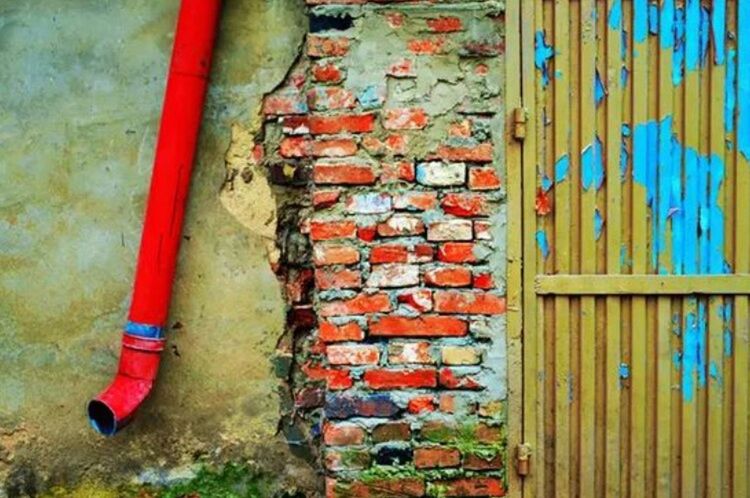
[[387, 138]]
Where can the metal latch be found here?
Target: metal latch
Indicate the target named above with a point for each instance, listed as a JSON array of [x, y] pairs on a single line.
[[520, 116], [523, 459]]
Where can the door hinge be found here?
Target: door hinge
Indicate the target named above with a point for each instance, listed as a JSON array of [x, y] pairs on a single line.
[[520, 116], [523, 459]]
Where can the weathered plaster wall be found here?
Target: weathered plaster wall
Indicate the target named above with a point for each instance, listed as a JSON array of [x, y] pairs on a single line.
[[82, 83]]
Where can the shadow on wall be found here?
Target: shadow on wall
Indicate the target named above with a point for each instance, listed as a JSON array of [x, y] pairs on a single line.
[[83, 88]]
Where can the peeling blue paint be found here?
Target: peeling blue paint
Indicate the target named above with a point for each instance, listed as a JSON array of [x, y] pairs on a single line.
[[692, 34], [624, 154], [600, 91], [640, 153], [653, 19], [624, 371], [728, 343], [615, 15], [546, 183], [665, 189], [705, 35], [691, 347], [730, 99], [666, 36], [725, 312], [703, 214], [541, 241], [716, 218], [713, 371], [542, 54], [598, 224], [624, 73], [592, 165], [743, 79], [562, 166], [690, 209], [678, 51], [640, 20], [718, 28]]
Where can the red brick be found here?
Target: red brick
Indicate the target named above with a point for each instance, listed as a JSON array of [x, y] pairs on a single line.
[[436, 458], [399, 253], [457, 252], [452, 379], [343, 174], [449, 276], [473, 461], [330, 332], [339, 147], [325, 198], [427, 46], [422, 326], [347, 123], [343, 434], [405, 119], [320, 46], [399, 171], [298, 284], [391, 253], [410, 352], [482, 230], [358, 305], [349, 459], [483, 179], [353, 355], [481, 153], [395, 144], [421, 404], [302, 147], [391, 431], [395, 19], [469, 487], [460, 129], [399, 225], [488, 433], [419, 300], [400, 379], [367, 233], [483, 281], [324, 255], [284, 103], [334, 229], [415, 201], [384, 488], [342, 279], [468, 302], [336, 380], [465, 205], [294, 125], [330, 98], [402, 68], [447, 24], [326, 72]]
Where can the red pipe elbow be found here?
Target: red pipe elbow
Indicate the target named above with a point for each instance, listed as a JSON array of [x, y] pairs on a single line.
[[182, 112]]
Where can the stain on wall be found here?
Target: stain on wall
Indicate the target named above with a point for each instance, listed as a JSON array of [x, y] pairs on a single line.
[[82, 88]]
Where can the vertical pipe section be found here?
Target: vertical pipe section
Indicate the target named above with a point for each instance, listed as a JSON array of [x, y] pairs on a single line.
[[143, 338]]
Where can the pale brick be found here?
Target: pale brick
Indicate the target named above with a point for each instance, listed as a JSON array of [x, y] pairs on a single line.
[[450, 230], [438, 174], [393, 275], [460, 355]]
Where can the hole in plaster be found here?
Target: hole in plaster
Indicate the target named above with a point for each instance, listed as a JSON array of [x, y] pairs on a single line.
[[324, 22]]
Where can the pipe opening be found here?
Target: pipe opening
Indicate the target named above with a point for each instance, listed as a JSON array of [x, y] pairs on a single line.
[[102, 418]]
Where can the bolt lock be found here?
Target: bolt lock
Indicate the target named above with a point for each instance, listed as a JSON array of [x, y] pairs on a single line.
[[523, 459]]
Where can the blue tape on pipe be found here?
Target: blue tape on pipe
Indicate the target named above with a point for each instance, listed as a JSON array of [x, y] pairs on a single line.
[[144, 330]]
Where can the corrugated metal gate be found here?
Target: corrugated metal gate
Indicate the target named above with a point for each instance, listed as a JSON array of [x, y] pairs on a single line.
[[630, 208]]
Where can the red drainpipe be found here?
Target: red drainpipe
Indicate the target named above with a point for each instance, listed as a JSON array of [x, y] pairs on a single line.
[[143, 337]]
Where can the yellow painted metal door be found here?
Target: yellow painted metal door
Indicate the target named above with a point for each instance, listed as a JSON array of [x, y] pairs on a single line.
[[633, 205]]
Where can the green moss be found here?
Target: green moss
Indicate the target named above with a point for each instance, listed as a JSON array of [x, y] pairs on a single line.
[[230, 481]]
